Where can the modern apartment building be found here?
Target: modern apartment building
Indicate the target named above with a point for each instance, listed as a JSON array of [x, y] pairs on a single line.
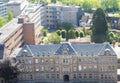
[[22, 30], [56, 14], [32, 22], [16, 6], [72, 63], [11, 35], [3, 9]]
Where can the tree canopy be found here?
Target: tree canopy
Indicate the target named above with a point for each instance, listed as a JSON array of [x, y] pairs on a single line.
[[44, 32], [99, 27], [54, 38], [66, 26], [9, 70], [10, 16], [110, 5], [71, 34], [87, 5], [2, 22]]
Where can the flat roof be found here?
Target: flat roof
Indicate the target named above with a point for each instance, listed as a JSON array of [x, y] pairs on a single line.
[[58, 5], [7, 30]]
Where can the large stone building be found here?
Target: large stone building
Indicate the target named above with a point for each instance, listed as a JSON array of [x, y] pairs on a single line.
[[73, 63]]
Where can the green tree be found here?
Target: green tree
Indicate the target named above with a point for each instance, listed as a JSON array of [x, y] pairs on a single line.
[[89, 4], [81, 34], [110, 5], [53, 1], [77, 33], [10, 16], [110, 38], [113, 37], [71, 34], [84, 31], [63, 33], [44, 32], [58, 32], [66, 26], [54, 38], [99, 27], [2, 22], [9, 70], [88, 32]]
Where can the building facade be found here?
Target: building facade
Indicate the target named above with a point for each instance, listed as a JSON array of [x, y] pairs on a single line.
[[11, 35], [56, 14], [73, 63], [32, 24], [22, 30], [2, 80], [16, 7], [3, 9]]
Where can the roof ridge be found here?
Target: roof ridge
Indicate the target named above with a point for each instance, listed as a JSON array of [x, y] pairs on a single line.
[[29, 49], [101, 49]]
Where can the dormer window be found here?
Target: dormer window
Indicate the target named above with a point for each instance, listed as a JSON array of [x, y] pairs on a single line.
[[107, 52], [24, 53], [65, 49]]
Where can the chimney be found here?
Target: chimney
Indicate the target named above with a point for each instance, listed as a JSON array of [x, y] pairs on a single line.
[[21, 20]]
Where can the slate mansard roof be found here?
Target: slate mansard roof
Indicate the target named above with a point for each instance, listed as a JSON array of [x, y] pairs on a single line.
[[72, 49]]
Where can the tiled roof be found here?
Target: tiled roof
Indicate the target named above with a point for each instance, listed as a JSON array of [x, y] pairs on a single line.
[[73, 49]]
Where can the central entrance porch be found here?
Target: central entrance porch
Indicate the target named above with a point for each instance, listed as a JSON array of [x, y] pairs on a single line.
[[66, 78]]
